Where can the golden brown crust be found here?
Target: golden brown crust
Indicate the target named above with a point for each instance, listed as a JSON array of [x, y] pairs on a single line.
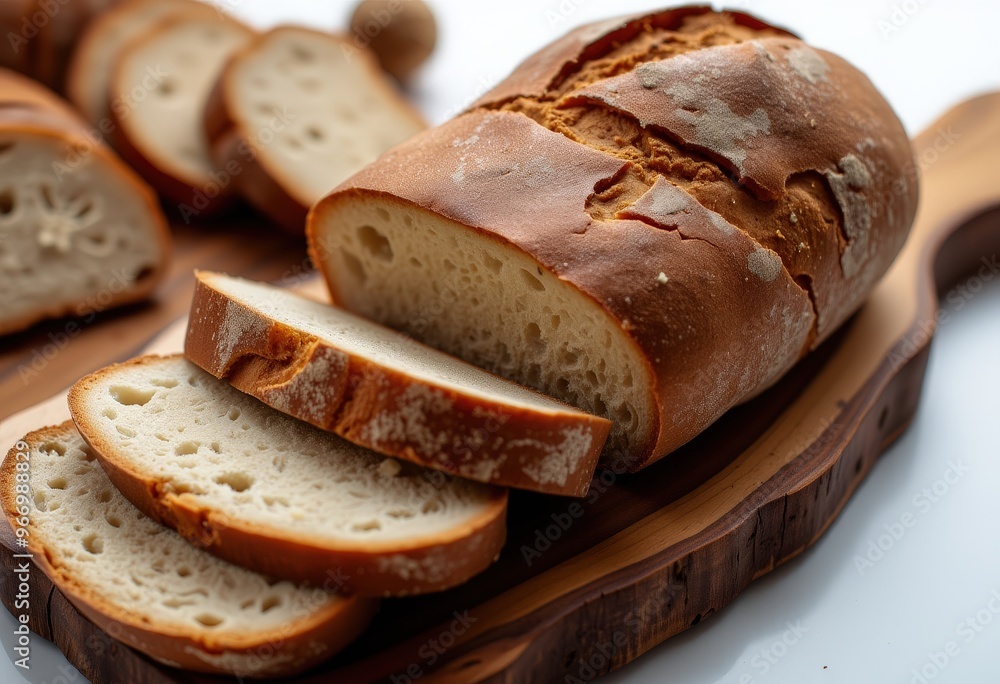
[[341, 392], [231, 137], [279, 653], [29, 109], [393, 568], [794, 157]]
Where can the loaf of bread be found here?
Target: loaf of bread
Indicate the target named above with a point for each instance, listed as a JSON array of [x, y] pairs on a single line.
[[296, 113], [174, 67], [149, 588], [273, 494], [93, 63], [384, 391], [79, 231], [653, 219]]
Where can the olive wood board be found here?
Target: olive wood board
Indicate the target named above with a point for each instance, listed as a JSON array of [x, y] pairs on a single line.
[[642, 557]]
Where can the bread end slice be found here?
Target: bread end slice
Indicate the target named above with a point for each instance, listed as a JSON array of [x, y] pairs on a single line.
[[382, 390], [150, 589]]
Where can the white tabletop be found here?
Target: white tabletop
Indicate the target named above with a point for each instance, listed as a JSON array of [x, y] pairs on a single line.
[[925, 607]]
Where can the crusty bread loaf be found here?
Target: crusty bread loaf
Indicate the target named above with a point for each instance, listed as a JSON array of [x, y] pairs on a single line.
[[79, 232], [385, 391], [93, 63], [148, 587], [175, 64], [276, 495], [653, 219], [298, 111]]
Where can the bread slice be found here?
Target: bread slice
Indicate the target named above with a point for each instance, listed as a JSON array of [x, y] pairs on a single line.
[[168, 73], [299, 111], [92, 66], [148, 587], [276, 495], [79, 231], [387, 392]]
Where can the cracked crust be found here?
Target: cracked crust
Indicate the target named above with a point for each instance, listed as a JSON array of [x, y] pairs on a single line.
[[724, 193], [543, 446]]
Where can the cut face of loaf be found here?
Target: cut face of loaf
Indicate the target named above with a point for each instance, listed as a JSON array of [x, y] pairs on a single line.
[[384, 391], [78, 231], [276, 495], [150, 588], [653, 219], [168, 73], [304, 110], [93, 64]]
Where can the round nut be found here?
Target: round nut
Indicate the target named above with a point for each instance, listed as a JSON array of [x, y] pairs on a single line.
[[401, 33]]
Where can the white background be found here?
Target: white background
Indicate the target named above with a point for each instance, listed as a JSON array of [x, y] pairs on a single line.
[[881, 624]]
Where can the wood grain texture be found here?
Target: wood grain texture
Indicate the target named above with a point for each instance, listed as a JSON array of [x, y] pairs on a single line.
[[645, 557]]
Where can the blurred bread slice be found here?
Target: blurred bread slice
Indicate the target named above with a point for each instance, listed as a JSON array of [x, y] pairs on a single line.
[[160, 85], [299, 111], [79, 231], [97, 51]]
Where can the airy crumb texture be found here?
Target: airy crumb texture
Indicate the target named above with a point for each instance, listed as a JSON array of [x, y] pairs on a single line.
[[72, 241], [242, 469], [157, 592]]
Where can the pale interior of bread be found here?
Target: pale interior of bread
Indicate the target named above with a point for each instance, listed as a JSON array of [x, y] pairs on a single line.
[[94, 536], [170, 420], [362, 338], [70, 233], [489, 304], [103, 47], [167, 126], [316, 110]]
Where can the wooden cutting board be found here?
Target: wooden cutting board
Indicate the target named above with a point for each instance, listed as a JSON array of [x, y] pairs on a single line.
[[585, 586]]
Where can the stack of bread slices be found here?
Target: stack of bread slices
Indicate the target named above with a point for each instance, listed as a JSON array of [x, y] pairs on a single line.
[[294, 467], [207, 109]]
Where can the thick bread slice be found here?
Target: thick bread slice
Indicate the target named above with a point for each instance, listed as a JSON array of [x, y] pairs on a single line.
[[79, 231], [653, 219], [385, 391], [299, 111], [276, 495], [92, 66], [149, 588], [174, 67]]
